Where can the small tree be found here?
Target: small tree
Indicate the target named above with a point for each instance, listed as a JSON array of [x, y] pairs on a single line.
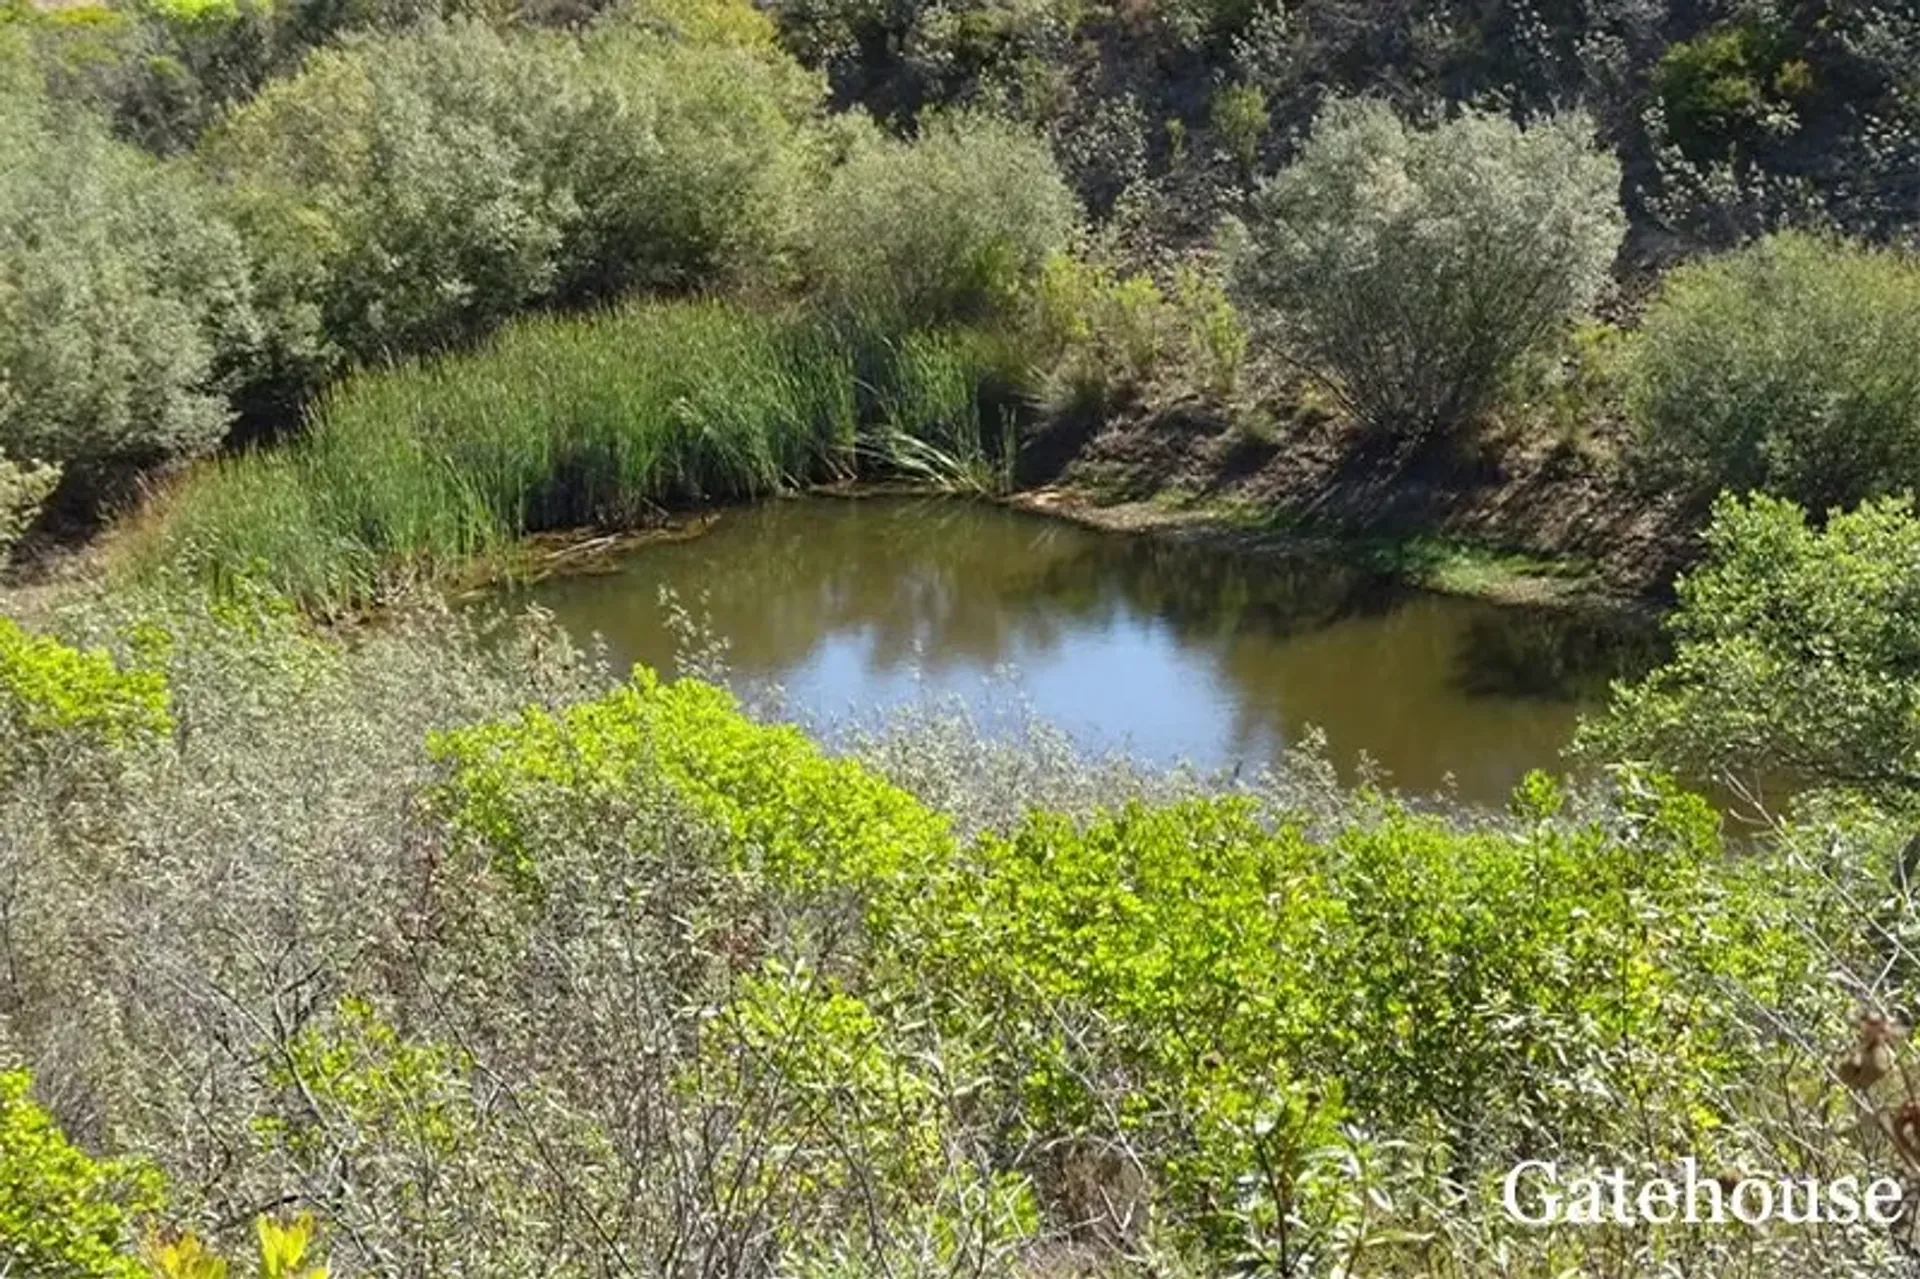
[[1413, 270], [948, 226], [1791, 366], [1796, 652], [124, 302]]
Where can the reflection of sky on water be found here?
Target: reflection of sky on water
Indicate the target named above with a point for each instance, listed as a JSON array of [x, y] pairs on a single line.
[[1171, 650], [1125, 682]]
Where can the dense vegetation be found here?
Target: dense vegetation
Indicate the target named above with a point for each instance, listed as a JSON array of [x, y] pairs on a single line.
[[630, 979], [562, 423], [339, 928]]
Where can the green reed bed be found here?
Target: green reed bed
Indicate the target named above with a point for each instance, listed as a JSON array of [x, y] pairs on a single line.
[[597, 422]]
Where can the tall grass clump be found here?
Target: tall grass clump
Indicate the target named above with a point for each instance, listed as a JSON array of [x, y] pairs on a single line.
[[599, 422]]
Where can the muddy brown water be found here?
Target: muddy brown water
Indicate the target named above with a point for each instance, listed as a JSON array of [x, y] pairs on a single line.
[[1169, 650]]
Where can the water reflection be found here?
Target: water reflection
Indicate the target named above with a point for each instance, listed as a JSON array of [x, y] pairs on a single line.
[[1173, 650]]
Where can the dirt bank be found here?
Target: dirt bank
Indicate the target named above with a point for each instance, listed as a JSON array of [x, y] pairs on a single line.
[[1518, 518]]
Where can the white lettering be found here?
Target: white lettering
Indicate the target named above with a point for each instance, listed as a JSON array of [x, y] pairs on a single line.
[[1884, 1190], [1549, 1201]]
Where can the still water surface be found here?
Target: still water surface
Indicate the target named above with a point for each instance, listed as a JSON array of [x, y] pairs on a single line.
[[1169, 650]]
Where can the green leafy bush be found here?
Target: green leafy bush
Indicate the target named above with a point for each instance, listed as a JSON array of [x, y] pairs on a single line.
[[1414, 270], [1796, 656], [1098, 334], [948, 226], [1716, 88], [407, 192], [637, 978], [48, 687], [61, 1211], [124, 303], [22, 490], [1212, 987], [1791, 366]]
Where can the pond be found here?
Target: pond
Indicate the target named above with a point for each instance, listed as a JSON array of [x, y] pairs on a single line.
[[1172, 650]]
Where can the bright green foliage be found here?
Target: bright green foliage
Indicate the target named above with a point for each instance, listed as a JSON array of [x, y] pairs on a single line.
[[787, 811], [1797, 655], [1717, 87], [22, 490], [948, 226], [406, 192], [1254, 985], [63, 1213], [1100, 334], [1416, 269], [563, 423], [1791, 366], [123, 298], [834, 1058], [283, 1248], [356, 1069], [1224, 988], [1239, 116], [47, 687]]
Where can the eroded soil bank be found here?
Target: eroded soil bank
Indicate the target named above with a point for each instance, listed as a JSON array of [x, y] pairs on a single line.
[[1521, 518]]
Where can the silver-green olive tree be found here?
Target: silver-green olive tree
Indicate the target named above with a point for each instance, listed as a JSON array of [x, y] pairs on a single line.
[[124, 302], [1412, 270], [947, 226]]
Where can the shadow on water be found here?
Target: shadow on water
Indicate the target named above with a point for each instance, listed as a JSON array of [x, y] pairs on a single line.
[[1172, 650]]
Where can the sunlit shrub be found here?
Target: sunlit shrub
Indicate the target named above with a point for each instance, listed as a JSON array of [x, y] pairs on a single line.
[[124, 304], [62, 1212], [408, 192], [48, 687], [1097, 334], [947, 226], [1796, 652], [1717, 88], [1414, 269], [1791, 366], [22, 490]]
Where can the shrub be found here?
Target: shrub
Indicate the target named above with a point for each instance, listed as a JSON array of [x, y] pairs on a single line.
[[61, 1212], [1206, 985], [948, 226], [1791, 366], [123, 300], [1716, 88], [22, 490], [1098, 335], [1414, 270], [690, 165], [1796, 656], [632, 978], [408, 192], [1239, 115]]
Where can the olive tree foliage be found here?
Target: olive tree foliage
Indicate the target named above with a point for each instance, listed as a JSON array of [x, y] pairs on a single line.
[[949, 225], [1791, 366], [1796, 656], [406, 192], [1414, 269], [124, 301]]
